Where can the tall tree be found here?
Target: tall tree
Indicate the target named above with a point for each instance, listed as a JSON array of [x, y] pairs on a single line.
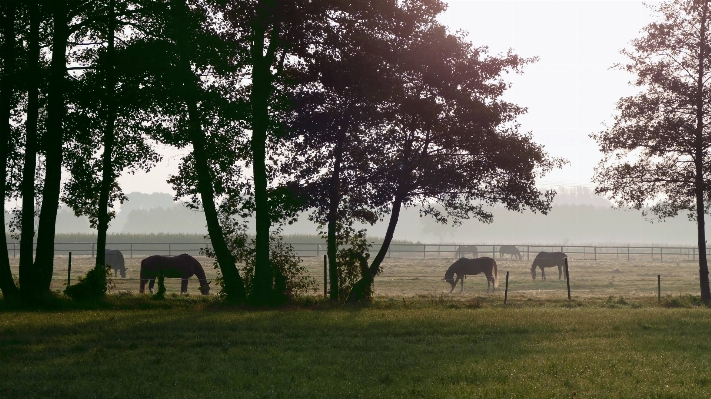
[[657, 150], [451, 144], [52, 146], [7, 92], [32, 110]]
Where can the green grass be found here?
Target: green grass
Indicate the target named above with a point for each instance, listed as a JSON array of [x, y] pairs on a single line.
[[428, 346]]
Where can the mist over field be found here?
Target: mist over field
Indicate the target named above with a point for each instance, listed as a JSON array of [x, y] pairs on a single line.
[[578, 217]]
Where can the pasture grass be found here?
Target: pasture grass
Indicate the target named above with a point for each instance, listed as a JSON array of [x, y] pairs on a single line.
[[431, 346]]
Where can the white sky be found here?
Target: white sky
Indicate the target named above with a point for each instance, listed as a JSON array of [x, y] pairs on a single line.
[[569, 92]]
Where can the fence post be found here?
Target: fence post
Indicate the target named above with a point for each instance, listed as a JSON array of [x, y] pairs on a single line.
[[92, 250], [169, 249], [131, 249], [69, 270], [652, 254], [325, 276], [659, 288], [13, 249], [528, 252], [595, 250], [506, 292], [567, 277], [628, 253], [424, 251]]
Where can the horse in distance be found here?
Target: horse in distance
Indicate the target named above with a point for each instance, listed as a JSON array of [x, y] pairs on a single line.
[[548, 259], [114, 259], [510, 250], [182, 266], [466, 249], [466, 266]]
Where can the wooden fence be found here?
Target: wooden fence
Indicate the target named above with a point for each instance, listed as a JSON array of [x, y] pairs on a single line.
[[586, 252]]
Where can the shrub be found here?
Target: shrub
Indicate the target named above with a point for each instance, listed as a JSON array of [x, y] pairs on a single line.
[[93, 286], [290, 279], [160, 294]]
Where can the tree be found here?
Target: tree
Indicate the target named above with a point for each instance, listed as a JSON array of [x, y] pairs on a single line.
[[340, 100], [450, 142], [657, 150], [7, 92], [32, 80]]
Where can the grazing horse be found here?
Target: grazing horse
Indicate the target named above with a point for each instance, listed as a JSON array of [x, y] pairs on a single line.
[[181, 266], [466, 249], [548, 259], [465, 266], [114, 258], [510, 250]]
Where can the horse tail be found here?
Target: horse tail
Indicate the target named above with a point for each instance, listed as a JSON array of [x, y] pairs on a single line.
[[496, 274]]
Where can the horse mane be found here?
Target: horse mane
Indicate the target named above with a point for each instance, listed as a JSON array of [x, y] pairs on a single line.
[[199, 271], [452, 269]]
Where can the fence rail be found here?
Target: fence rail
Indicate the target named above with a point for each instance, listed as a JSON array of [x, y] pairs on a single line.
[[587, 252]]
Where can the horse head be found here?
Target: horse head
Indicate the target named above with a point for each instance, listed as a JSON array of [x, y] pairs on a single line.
[[449, 279], [123, 272], [205, 288]]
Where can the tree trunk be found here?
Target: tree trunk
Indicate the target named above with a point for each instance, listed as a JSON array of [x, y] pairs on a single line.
[[699, 162], [107, 178], [27, 272], [234, 285], [334, 201], [52, 144], [361, 286], [261, 88], [7, 284]]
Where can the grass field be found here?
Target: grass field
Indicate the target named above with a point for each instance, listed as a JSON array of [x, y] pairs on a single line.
[[428, 347], [410, 277]]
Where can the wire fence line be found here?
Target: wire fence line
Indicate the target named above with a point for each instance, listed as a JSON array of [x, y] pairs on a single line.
[[306, 250]]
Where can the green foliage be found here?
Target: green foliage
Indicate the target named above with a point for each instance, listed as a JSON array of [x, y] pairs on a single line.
[[352, 247], [290, 276], [93, 286], [160, 294]]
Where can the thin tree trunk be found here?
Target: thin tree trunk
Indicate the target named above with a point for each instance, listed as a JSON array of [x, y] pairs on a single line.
[[334, 201], [7, 284], [52, 144], [261, 87], [27, 278], [234, 285], [699, 162], [107, 178]]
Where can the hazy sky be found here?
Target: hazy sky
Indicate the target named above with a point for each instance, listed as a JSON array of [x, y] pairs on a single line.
[[569, 92]]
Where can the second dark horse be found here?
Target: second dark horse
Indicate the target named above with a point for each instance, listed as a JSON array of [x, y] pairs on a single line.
[[548, 259], [182, 266], [510, 250], [466, 266]]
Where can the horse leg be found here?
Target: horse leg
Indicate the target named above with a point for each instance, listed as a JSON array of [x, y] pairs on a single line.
[[462, 290], [151, 283], [143, 286], [543, 273], [184, 286]]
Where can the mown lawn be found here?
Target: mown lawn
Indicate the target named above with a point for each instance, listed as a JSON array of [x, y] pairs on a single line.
[[426, 348]]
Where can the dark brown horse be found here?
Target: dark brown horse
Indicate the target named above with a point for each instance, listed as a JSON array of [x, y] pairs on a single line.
[[510, 250], [182, 266], [548, 259], [465, 266]]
